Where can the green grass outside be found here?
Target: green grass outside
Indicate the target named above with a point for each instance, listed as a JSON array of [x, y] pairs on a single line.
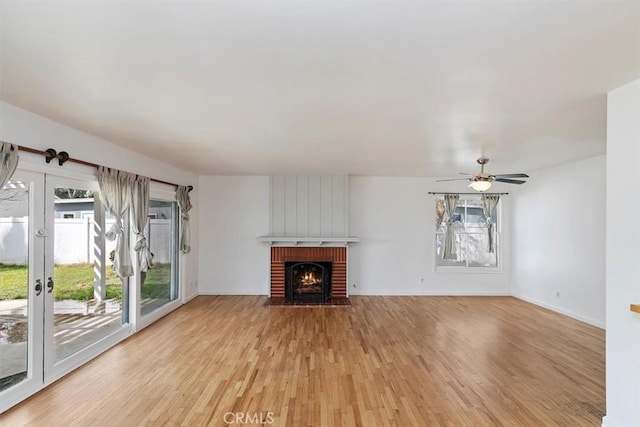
[[157, 284], [75, 281]]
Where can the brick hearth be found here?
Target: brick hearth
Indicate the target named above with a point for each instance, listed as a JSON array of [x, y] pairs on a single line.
[[337, 255]]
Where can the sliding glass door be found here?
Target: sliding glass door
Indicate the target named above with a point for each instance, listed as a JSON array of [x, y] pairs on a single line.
[[160, 283], [60, 301]]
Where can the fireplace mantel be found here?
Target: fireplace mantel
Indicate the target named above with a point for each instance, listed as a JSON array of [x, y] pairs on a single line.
[[308, 241]]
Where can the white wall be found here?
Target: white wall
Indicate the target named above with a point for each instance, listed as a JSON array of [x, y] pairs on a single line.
[[234, 211], [623, 257], [24, 128], [395, 220], [21, 127], [559, 239], [394, 217]]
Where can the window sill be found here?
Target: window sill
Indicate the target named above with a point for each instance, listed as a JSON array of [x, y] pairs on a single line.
[[468, 270]]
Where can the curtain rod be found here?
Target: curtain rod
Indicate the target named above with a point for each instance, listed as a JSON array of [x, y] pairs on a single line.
[[63, 156], [478, 193]]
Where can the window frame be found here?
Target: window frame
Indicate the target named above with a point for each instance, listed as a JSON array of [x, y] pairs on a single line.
[[466, 269]]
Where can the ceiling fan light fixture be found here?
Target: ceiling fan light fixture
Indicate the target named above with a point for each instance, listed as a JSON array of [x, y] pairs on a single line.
[[480, 185]]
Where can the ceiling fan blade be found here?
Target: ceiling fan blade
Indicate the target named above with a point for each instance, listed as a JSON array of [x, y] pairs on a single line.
[[465, 173], [511, 175], [509, 181], [453, 179]]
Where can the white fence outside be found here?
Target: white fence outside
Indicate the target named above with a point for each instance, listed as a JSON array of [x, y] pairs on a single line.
[[13, 240], [74, 240]]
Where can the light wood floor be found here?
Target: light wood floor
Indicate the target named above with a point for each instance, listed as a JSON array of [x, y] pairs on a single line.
[[384, 361]]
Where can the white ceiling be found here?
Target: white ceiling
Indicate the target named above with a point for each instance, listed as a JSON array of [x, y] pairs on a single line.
[[358, 87]]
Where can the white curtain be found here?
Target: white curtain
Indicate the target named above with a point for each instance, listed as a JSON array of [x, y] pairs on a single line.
[[450, 202], [489, 203], [184, 202], [139, 219], [8, 161], [115, 194]]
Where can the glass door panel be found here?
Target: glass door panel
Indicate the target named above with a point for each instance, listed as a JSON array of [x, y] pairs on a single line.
[[85, 296], [21, 268], [159, 283]]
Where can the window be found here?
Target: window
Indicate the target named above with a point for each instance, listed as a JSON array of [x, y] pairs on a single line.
[[470, 235]]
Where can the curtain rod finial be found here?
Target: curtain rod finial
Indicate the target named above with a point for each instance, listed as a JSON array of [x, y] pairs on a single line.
[[63, 156], [51, 154], [189, 188]]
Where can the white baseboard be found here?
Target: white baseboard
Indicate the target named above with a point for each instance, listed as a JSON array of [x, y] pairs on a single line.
[[213, 294], [189, 298], [469, 294], [442, 293], [431, 294], [560, 310]]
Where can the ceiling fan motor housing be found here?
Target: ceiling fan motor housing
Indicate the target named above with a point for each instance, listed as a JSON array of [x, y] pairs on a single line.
[[482, 161]]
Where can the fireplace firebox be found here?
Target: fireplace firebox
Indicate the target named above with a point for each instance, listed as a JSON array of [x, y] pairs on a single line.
[[308, 281]]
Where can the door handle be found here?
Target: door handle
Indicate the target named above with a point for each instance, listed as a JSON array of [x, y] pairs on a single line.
[[49, 285], [38, 287]]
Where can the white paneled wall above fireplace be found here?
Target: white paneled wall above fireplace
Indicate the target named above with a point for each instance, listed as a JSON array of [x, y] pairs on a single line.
[[309, 206]]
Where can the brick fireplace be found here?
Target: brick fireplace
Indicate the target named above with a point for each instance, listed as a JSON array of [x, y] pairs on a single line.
[[309, 239], [335, 257]]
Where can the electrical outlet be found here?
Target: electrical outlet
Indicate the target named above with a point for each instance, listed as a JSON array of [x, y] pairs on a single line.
[[355, 286], [558, 294]]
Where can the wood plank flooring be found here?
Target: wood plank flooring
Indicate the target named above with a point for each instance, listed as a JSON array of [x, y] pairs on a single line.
[[384, 361]]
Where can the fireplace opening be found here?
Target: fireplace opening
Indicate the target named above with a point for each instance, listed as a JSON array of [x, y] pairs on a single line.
[[308, 281]]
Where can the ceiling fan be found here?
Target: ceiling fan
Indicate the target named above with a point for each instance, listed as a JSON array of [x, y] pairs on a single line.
[[482, 181]]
